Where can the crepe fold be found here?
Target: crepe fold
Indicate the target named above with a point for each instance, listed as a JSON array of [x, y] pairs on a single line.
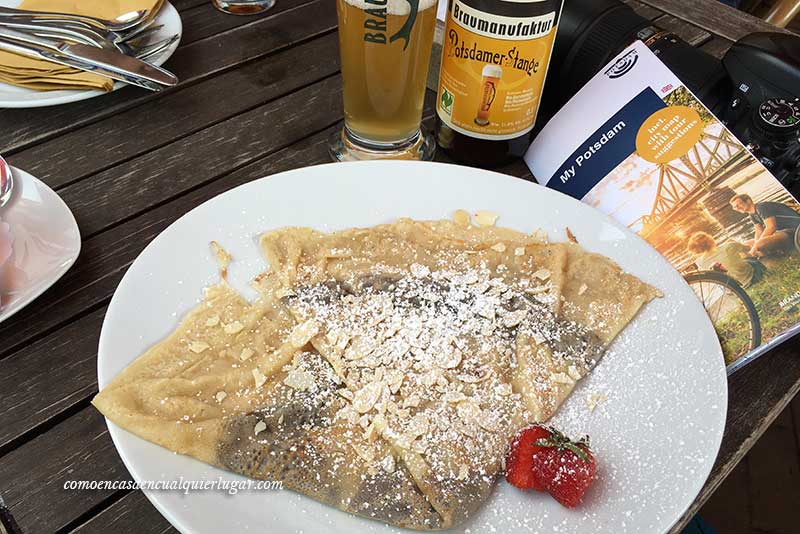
[[384, 370]]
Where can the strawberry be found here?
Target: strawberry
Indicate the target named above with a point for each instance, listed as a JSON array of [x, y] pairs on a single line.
[[563, 467], [519, 461]]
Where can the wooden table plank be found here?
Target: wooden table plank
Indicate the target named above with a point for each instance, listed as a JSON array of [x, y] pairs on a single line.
[[205, 21], [32, 476], [292, 22], [48, 377], [644, 10], [132, 513], [109, 142], [720, 19], [687, 31], [136, 185], [183, 5]]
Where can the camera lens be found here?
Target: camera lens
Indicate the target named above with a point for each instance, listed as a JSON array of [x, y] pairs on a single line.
[[592, 32]]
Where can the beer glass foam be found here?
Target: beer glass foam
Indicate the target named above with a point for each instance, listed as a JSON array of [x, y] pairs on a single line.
[[393, 7]]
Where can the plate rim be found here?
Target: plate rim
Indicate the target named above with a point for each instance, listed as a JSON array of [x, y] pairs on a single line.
[[117, 432], [75, 95]]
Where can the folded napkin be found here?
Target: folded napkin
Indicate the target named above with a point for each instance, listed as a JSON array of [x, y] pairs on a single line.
[[45, 76]]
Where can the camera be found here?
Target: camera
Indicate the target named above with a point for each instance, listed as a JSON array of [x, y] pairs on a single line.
[[754, 90]]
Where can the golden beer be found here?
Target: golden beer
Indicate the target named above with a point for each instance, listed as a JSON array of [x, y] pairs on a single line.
[[385, 48]]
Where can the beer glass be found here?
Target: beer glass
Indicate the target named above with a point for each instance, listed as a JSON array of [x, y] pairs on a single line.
[[243, 7], [385, 48]]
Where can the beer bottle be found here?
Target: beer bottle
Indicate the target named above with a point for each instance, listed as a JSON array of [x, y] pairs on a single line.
[[495, 56]]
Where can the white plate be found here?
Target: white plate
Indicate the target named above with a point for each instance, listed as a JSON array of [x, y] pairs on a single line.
[[12, 96], [656, 436], [46, 242]]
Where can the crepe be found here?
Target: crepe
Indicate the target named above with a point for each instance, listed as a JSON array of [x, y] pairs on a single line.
[[384, 370]]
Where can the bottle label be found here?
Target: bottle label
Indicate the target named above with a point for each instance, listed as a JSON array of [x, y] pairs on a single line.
[[494, 67]]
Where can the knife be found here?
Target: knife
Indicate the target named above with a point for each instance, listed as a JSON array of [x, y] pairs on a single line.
[[114, 65]]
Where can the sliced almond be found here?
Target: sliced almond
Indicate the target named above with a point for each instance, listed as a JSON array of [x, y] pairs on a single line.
[[469, 411], [233, 328], [504, 389], [213, 320], [561, 378], [512, 319], [300, 379], [593, 399], [418, 426], [303, 333], [198, 346], [365, 453], [365, 398], [582, 289], [359, 347], [388, 463], [542, 274], [259, 428], [463, 472], [538, 337], [540, 236], [499, 247], [220, 396], [259, 377], [461, 218], [454, 396], [485, 218], [246, 354], [395, 380], [519, 251], [450, 358], [573, 372]]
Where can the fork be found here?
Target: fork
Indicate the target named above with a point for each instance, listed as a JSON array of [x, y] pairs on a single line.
[[79, 33], [134, 45]]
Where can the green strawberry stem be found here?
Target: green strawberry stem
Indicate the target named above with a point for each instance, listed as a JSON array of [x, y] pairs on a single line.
[[561, 443]]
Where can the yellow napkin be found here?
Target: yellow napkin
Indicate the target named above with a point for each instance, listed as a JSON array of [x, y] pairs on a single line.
[[45, 76]]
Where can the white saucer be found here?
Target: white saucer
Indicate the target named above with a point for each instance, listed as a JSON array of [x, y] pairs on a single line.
[[46, 242]]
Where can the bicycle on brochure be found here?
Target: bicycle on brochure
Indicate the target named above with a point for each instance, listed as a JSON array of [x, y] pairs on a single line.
[[730, 308]]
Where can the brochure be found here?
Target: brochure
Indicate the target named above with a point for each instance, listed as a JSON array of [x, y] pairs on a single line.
[[638, 145]]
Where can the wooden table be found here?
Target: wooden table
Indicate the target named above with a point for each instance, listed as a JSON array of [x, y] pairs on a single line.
[[257, 96]]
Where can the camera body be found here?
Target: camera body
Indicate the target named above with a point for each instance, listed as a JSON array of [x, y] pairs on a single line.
[[763, 110], [754, 90]]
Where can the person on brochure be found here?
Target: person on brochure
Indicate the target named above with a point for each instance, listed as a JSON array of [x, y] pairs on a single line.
[[775, 225]]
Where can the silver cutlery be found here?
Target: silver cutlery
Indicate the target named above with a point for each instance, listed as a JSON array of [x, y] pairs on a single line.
[[74, 28], [6, 182], [121, 23], [130, 44], [112, 64]]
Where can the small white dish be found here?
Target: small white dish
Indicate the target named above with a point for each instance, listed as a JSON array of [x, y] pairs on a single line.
[[12, 96], [46, 242], [656, 436]]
